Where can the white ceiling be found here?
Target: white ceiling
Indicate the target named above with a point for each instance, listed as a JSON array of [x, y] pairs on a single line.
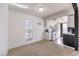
[[49, 8]]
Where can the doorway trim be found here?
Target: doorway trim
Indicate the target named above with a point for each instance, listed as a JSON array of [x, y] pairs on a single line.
[[75, 8]]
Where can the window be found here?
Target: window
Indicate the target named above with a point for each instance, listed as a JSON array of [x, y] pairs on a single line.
[[29, 31], [65, 28]]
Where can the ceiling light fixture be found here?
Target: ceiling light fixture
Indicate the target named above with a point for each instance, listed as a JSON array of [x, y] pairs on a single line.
[[41, 9], [20, 5]]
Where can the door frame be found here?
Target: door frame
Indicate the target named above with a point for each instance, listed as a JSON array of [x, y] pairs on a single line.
[[75, 8]]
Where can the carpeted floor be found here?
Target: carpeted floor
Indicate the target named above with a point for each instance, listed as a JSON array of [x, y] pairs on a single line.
[[42, 48]]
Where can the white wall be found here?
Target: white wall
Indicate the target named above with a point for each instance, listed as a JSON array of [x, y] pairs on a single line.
[[3, 29], [17, 30], [71, 21]]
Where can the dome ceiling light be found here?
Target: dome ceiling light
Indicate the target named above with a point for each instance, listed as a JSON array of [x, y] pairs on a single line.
[[41, 9]]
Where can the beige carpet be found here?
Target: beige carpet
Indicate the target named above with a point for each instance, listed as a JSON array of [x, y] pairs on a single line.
[[42, 48]]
